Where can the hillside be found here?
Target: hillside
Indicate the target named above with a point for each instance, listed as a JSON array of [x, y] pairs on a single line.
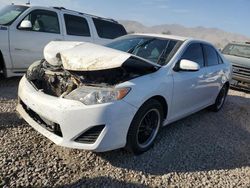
[[218, 37]]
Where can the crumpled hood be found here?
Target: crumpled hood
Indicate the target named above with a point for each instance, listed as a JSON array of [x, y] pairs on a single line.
[[83, 56]]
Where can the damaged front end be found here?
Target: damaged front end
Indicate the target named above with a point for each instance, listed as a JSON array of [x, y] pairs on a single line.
[[51, 80], [81, 82], [57, 81]]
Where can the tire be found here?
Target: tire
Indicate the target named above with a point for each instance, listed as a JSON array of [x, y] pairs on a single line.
[[220, 100], [3, 73], [145, 127]]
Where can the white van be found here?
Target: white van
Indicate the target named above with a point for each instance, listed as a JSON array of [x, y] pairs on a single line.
[[25, 30]]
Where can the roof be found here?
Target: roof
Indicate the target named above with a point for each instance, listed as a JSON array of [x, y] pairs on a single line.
[[81, 13], [67, 10], [174, 37]]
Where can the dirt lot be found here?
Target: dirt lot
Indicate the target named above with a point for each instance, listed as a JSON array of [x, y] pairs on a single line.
[[206, 149]]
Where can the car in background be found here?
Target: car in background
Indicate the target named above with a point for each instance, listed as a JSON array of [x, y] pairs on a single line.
[[25, 30], [239, 55], [101, 98]]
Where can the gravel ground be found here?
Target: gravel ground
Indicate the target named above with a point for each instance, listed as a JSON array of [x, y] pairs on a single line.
[[204, 150]]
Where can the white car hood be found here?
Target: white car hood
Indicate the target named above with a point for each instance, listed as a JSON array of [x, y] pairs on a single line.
[[82, 56]]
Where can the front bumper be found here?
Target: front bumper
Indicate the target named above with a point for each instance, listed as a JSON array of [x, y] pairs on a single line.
[[241, 77], [240, 82], [75, 118]]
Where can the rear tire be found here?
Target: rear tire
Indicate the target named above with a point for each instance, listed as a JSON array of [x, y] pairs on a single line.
[[220, 100], [145, 127]]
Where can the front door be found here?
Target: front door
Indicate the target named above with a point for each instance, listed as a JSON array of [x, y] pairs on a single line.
[[26, 46], [189, 93], [216, 72]]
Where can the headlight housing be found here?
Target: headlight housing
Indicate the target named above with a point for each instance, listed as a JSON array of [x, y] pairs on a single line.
[[93, 95]]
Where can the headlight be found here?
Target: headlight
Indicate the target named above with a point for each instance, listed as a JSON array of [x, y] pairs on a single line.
[[92, 95]]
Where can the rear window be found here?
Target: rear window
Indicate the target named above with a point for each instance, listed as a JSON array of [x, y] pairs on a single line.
[[108, 30], [211, 55], [76, 25]]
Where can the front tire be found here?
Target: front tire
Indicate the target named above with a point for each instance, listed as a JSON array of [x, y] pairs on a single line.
[[145, 127], [220, 100]]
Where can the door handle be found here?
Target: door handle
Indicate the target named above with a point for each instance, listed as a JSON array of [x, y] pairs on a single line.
[[58, 40]]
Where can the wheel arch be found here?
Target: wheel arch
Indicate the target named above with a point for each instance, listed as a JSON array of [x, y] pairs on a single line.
[[131, 140], [162, 101]]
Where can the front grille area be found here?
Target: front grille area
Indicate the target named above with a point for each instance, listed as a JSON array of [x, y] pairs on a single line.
[[48, 125], [240, 71], [91, 135]]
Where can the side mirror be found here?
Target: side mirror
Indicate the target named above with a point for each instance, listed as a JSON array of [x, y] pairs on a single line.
[[187, 65], [25, 24]]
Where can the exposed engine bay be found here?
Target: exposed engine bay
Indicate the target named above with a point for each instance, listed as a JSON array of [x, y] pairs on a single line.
[[57, 81], [70, 65]]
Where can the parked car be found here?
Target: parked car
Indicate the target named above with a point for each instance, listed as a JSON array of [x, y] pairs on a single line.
[[239, 55], [25, 30], [101, 98]]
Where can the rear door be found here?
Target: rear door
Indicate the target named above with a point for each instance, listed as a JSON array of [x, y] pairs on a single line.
[[190, 87], [77, 28], [215, 76], [26, 46]]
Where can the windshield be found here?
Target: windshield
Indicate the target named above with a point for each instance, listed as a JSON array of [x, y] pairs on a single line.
[[237, 50], [9, 13], [157, 50]]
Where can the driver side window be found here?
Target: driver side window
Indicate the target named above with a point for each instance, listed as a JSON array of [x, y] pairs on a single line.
[[44, 21], [194, 53]]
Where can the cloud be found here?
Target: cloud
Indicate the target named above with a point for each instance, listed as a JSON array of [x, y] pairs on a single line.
[[162, 6], [181, 11], [230, 22]]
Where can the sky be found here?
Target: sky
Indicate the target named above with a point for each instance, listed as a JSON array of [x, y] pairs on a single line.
[[229, 15]]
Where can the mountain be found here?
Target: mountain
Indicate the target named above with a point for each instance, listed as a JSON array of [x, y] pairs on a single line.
[[216, 36]]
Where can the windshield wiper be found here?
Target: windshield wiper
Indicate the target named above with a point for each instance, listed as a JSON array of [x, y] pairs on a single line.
[[140, 45], [163, 53]]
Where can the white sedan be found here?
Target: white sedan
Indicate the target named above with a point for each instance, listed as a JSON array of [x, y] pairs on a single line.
[[99, 98]]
